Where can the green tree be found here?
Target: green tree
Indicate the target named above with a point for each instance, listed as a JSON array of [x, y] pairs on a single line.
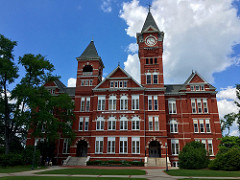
[[8, 73], [228, 157], [193, 156], [33, 105]]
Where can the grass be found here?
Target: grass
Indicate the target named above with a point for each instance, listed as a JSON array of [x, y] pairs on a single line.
[[13, 169], [203, 173], [96, 171], [63, 178]]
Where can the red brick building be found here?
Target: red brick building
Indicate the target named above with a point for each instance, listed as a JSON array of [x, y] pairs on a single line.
[[118, 118]]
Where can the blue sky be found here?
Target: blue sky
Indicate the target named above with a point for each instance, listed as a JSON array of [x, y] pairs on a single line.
[[199, 35]]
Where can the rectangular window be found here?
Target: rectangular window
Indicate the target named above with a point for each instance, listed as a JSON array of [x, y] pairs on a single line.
[[82, 104], [135, 145], [149, 102], [66, 146], [199, 104], [135, 102], [148, 78], [124, 103], [120, 84], [111, 145], [193, 103], [197, 88], [203, 141], [195, 124], [155, 103], [82, 83], [210, 147], [192, 88], [99, 145], [86, 123], [125, 84], [208, 129], [205, 106], [201, 126], [175, 146], [150, 123], [155, 79], [172, 107], [86, 83], [101, 103], [202, 87], [156, 123], [116, 84], [88, 104], [111, 84], [90, 82], [123, 149], [80, 124], [124, 124]]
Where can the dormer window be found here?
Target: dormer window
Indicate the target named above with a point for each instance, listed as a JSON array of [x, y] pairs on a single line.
[[116, 84], [111, 84], [120, 84], [197, 88]]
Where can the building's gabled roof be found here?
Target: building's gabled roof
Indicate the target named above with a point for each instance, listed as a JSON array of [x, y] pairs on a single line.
[[150, 22], [128, 76]]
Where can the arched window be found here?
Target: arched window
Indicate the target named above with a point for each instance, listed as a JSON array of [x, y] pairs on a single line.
[[124, 103], [112, 123], [173, 126], [112, 103], [100, 123], [123, 123], [135, 123]]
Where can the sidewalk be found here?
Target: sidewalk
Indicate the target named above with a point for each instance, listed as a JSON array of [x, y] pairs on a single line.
[[151, 174]]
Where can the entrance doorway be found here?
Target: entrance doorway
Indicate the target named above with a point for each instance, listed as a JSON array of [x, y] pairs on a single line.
[[154, 149], [82, 149]]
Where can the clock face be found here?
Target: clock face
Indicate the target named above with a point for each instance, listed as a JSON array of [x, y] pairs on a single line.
[[150, 41]]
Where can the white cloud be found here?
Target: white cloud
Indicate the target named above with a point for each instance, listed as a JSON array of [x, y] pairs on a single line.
[[132, 66], [199, 35], [226, 105], [71, 82], [106, 6], [132, 48]]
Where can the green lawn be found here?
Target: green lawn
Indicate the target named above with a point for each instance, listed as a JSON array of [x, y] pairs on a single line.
[[15, 169], [62, 178], [96, 171], [203, 173]]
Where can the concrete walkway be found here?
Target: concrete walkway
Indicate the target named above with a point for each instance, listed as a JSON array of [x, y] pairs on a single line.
[[152, 174]]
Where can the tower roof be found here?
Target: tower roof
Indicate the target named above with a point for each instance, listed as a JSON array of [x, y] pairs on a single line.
[[149, 22], [89, 53]]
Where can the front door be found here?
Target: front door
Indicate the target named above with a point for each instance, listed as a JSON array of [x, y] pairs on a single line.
[[82, 149], [154, 149]]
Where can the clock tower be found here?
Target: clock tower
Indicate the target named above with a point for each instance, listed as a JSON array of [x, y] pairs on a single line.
[[150, 43]]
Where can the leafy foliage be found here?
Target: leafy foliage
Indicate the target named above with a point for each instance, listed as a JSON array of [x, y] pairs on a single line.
[[228, 157], [193, 156]]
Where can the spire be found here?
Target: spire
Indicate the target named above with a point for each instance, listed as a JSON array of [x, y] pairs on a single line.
[[89, 53], [149, 22]]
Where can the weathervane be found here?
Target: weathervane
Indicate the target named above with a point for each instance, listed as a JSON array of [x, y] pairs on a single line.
[[118, 63], [149, 7]]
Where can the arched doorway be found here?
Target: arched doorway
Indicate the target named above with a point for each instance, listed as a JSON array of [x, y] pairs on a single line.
[[82, 149], [154, 149]]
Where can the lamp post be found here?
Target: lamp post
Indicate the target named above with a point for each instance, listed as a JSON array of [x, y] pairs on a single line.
[[34, 154], [166, 156]]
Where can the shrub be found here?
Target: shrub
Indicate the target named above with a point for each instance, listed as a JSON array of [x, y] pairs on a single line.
[[229, 160], [10, 159], [28, 155], [193, 156]]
